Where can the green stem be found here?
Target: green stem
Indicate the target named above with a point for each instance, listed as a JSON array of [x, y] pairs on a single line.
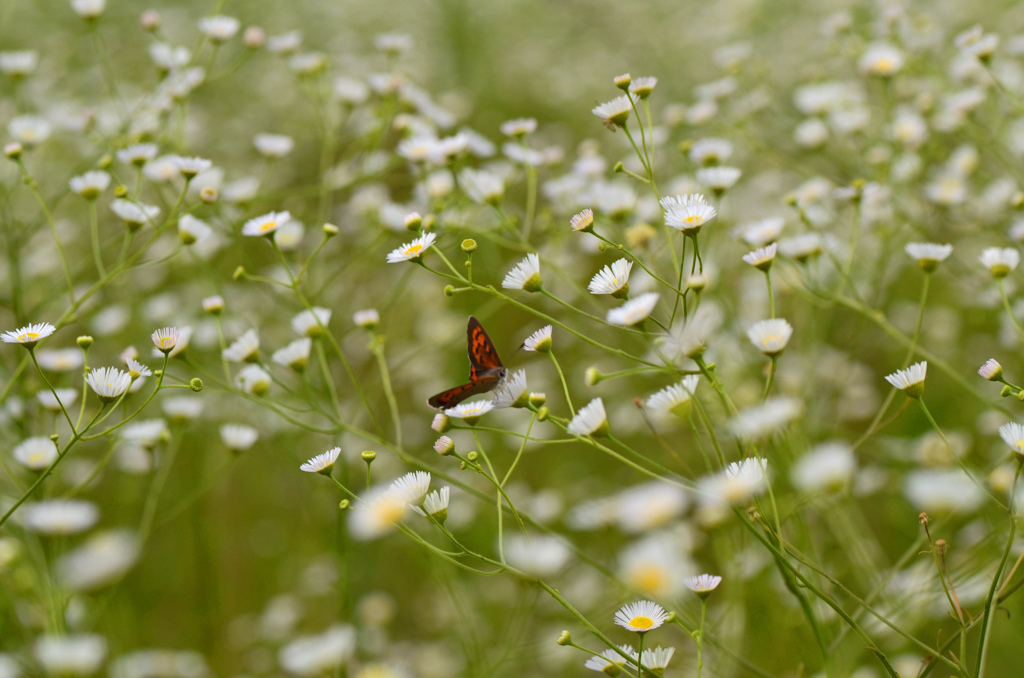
[[94, 229], [1009, 310], [565, 386], [700, 635]]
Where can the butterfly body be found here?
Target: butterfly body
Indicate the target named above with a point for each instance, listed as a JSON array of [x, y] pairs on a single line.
[[485, 369]]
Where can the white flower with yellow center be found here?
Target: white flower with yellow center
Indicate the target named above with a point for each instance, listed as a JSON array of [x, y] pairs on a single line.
[[29, 335], [245, 349], [610, 662], [910, 380], [253, 379], [90, 184], [470, 411], [762, 258], [35, 453], [189, 167], [435, 505], [928, 255], [512, 391], [138, 154], [633, 311], [641, 616], [674, 399], [192, 230], [483, 187], [60, 359], [881, 59], [266, 223], [710, 151], [29, 130], [1013, 435], [1000, 260], [377, 516], [991, 370], [311, 322], [109, 383], [770, 336], [411, 487], [519, 127], [52, 400], [412, 251], [763, 420], [687, 213], [720, 178], [525, 276], [219, 28], [613, 279], [295, 355], [59, 517], [539, 341], [238, 437], [590, 420], [134, 215], [165, 339], [703, 584], [616, 111], [322, 463], [583, 221]]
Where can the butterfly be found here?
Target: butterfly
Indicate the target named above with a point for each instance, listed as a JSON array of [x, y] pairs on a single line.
[[485, 369]]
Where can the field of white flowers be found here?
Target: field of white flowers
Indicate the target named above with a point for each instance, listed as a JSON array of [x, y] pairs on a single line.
[[738, 284]]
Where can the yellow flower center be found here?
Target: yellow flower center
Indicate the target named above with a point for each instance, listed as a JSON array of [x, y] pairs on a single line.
[[164, 342], [35, 458], [642, 623], [28, 336], [769, 339], [650, 578], [885, 65], [694, 219], [414, 249], [267, 226]]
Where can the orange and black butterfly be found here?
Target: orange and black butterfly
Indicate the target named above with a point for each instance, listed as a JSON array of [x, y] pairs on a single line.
[[485, 369]]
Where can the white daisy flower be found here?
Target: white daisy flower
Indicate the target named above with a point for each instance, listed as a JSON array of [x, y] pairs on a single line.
[[646, 507], [190, 167], [88, 10], [368, 318], [412, 251], [138, 154], [674, 399], [616, 111], [928, 255], [90, 184], [310, 323], [60, 359], [483, 187], [519, 127], [642, 87], [881, 59], [295, 355], [29, 130], [1013, 435], [29, 335], [770, 336], [470, 411], [266, 224], [763, 420], [109, 383], [393, 42], [710, 151], [377, 516], [182, 408], [910, 380], [1000, 261], [656, 660], [165, 339], [411, 487], [162, 170], [827, 467], [444, 445], [192, 230], [137, 369], [612, 279], [762, 258], [539, 341], [687, 213], [322, 463], [285, 43], [801, 247], [134, 215], [35, 453], [18, 64], [245, 349], [991, 370], [703, 584], [719, 178], [735, 486], [59, 517], [253, 379], [525, 276], [762, 232], [591, 420], [101, 560], [633, 311], [79, 654], [641, 616], [149, 432], [320, 654], [610, 662], [239, 437], [435, 505], [943, 492], [219, 28], [583, 221], [52, 400], [539, 556], [273, 145], [974, 42], [512, 391]]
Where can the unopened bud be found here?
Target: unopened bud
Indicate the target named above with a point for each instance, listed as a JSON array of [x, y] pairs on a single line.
[[196, 384], [368, 456], [469, 245], [330, 230], [84, 342], [344, 504], [565, 638]]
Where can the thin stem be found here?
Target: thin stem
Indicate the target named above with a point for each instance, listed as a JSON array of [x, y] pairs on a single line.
[[1006, 305], [990, 600], [565, 386], [699, 639], [94, 229]]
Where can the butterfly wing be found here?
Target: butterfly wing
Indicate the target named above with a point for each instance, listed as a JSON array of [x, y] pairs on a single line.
[[483, 357], [454, 396]]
